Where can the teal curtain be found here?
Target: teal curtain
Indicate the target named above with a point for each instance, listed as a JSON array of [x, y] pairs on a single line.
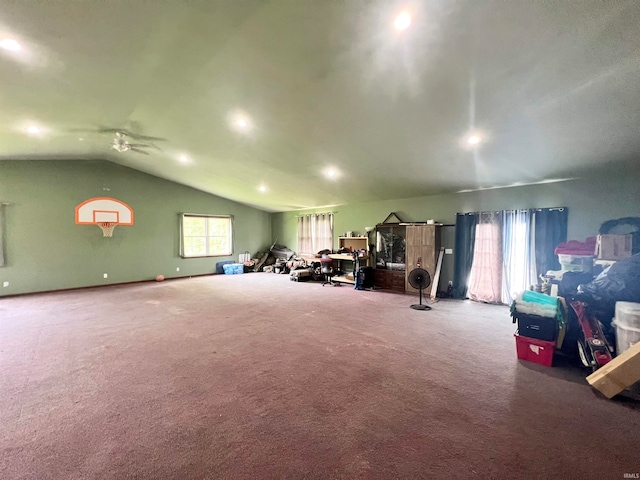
[[465, 239], [550, 226]]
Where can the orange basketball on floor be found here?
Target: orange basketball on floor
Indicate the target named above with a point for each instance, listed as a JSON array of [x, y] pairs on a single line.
[[159, 278]]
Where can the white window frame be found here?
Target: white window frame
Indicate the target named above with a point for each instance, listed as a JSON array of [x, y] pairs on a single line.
[[183, 254]]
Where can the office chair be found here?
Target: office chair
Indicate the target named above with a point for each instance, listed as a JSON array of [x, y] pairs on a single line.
[[326, 267]]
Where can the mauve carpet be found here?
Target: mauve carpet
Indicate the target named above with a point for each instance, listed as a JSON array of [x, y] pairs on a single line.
[[254, 376]]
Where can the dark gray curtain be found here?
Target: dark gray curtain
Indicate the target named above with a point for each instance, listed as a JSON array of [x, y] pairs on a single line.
[[463, 252], [550, 229]]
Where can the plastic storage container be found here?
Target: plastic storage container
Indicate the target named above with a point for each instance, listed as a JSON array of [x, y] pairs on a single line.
[[534, 350], [540, 328], [576, 263], [541, 298], [220, 266], [627, 324], [233, 268]]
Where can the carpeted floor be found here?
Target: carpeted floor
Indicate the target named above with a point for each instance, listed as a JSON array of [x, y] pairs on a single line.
[[254, 376]]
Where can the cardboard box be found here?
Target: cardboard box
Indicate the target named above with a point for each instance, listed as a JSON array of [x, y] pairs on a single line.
[[613, 247], [620, 373]]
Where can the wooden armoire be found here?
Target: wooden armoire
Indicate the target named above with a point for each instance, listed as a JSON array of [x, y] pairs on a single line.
[[423, 244]]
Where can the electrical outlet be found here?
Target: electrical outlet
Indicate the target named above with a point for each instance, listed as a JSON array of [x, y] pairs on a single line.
[[105, 275], [5, 284], [177, 269], [448, 251]]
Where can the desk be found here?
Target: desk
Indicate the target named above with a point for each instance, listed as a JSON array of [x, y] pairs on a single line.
[[342, 257]]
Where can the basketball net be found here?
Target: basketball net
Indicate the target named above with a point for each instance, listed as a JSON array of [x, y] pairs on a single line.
[[107, 228]]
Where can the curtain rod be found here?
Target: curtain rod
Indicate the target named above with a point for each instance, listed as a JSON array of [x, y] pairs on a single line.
[[319, 213], [560, 209]]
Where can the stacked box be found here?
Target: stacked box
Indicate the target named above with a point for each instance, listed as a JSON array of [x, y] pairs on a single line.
[[613, 247], [535, 326], [233, 268]]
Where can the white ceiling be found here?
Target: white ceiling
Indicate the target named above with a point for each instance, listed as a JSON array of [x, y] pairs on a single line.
[[553, 87]]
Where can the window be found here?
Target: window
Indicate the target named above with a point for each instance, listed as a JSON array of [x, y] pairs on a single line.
[[499, 254], [315, 232], [205, 235]]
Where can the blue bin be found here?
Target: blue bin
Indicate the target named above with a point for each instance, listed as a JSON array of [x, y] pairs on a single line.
[[233, 268], [220, 266]]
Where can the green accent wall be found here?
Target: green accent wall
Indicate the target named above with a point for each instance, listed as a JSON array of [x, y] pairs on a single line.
[[593, 199], [46, 250]]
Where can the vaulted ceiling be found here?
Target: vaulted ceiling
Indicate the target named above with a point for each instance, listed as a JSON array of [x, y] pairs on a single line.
[[272, 94]]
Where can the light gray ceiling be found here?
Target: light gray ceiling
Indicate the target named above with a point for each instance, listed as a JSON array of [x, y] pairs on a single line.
[[553, 87]]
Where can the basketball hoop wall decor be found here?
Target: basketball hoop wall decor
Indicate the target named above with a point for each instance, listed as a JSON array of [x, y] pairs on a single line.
[[105, 212]]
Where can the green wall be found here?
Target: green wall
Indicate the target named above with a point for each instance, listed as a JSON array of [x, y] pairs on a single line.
[[593, 199], [46, 250]]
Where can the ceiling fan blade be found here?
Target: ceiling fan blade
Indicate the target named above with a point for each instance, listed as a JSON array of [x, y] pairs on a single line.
[[137, 150], [146, 145], [129, 133], [147, 137], [123, 131]]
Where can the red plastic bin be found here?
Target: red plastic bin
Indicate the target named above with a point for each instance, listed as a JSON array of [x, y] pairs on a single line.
[[534, 350]]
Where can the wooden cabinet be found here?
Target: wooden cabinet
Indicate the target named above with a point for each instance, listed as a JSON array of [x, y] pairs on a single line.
[[399, 248], [389, 273], [389, 279], [423, 245]]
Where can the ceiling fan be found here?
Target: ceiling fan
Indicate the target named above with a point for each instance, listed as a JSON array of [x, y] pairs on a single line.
[[121, 144], [128, 133]]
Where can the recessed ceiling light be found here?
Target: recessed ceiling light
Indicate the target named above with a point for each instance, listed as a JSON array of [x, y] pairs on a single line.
[[184, 159], [81, 139], [239, 121], [242, 123], [474, 140], [10, 44], [262, 188], [33, 130], [402, 21], [332, 173]]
